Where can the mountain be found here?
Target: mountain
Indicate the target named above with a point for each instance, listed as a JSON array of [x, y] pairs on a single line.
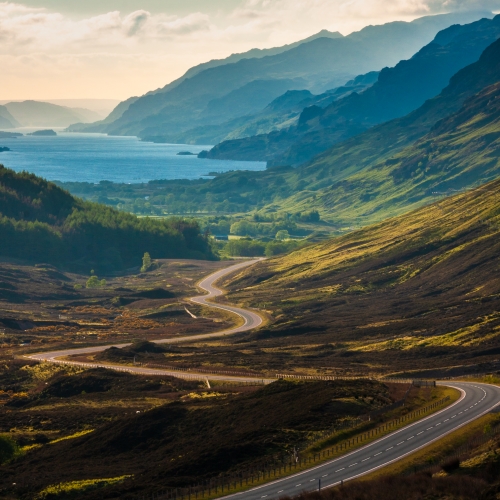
[[280, 113], [372, 176], [408, 293], [40, 222], [6, 119], [315, 65], [397, 91], [44, 114]]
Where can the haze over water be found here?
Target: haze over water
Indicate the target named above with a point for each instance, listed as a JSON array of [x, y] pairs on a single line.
[[73, 157]]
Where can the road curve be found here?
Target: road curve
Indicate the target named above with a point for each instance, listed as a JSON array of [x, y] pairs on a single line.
[[476, 400], [251, 320]]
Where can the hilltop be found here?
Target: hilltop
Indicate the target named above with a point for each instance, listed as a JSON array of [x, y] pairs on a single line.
[[40, 222]]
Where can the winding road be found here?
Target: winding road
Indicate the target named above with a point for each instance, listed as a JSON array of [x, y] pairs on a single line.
[[476, 400], [251, 320]]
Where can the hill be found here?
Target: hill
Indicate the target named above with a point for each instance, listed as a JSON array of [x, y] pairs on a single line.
[[44, 114], [316, 65], [6, 119], [40, 222], [413, 292], [397, 92]]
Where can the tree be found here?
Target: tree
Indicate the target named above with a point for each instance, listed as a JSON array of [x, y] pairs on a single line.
[[95, 282], [146, 262], [282, 235]]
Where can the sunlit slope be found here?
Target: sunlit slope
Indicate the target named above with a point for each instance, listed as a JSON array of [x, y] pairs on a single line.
[[373, 177], [419, 285]]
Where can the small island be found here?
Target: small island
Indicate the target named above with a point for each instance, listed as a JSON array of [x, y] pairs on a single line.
[[44, 133], [10, 135], [185, 153], [3, 149]]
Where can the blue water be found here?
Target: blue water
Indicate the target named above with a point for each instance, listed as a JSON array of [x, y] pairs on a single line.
[[73, 157]]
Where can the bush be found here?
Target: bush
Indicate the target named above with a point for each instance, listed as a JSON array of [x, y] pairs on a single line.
[[245, 248], [8, 449], [451, 465], [95, 282]]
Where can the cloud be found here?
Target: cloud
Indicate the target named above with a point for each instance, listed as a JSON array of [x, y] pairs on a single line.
[[117, 54]]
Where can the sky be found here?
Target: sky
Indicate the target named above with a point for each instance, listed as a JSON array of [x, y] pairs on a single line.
[[114, 49]]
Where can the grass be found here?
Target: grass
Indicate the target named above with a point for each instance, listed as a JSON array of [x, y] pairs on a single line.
[[439, 450], [77, 487]]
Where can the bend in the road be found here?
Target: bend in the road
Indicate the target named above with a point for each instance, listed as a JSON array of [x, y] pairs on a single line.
[[476, 401], [251, 320]]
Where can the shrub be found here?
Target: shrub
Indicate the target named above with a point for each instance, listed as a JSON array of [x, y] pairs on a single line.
[[8, 449]]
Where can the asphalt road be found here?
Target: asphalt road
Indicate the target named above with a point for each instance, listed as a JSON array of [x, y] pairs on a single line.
[[250, 320], [476, 400]]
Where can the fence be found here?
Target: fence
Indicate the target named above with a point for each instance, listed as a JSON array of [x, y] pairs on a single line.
[[461, 452], [227, 483], [415, 382]]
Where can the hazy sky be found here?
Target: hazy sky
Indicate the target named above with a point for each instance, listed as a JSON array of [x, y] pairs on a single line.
[[117, 48]]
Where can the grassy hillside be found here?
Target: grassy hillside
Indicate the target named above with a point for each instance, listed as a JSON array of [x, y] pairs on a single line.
[[140, 425], [414, 291], [43, 223]]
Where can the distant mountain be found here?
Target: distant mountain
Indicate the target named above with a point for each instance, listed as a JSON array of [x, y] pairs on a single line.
[[6, 119], [282, 112], [398, 91], [44, 114], [316, 65]]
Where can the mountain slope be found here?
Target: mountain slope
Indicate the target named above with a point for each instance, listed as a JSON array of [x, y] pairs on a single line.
[[398, 91], [323, 63], [374, 175], [413, 291], [359, 180], [42, 223], [280, 113], [44, 114], [6, 119]]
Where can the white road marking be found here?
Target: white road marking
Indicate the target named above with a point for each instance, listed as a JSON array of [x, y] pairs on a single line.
[[340, 469], [447, 420], [379, 453], [366, 459], [325, 475], [400, 443], [280, 491], [410, 438], [352, 465], [429, 428], [390, 448], [298, 485], [438, 424], [421, 432]]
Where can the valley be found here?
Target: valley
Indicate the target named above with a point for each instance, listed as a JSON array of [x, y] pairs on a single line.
[[274, 277]]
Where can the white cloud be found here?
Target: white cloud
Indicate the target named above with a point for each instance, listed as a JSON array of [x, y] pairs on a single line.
[[118, 54]]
